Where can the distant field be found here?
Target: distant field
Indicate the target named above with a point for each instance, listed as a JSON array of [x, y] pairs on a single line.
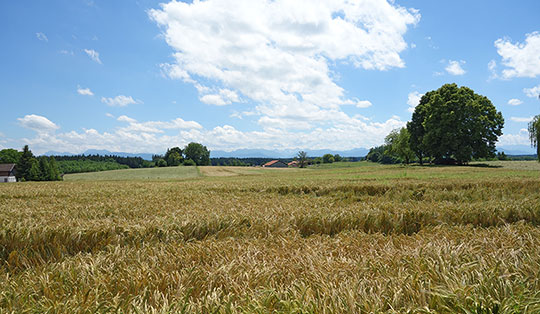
[[341, 238], [166, 173]]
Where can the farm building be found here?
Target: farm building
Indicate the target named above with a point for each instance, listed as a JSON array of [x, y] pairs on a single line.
[[293, 163], [7, 173], [275, 164]]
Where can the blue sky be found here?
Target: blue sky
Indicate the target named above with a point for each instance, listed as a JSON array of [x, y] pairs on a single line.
[[141, 76]]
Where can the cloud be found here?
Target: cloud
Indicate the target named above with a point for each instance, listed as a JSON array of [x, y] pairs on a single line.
[[84, 91], [109, 115], [455, 67], [42, 37], [492, 67], [278, 54], [521, 59], [120, 101], [66, 52], [224, 97], [521, 138], [94, 55], [127, 119], [155, 136], [157, 126], [37, 123], [413, 99], [363, 104], [532, 92], [519, 119], [515, 102]]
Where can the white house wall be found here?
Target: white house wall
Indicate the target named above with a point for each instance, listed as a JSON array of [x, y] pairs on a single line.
[[8, 179]]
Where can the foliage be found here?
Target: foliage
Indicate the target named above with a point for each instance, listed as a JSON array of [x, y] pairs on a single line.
[[198, 153], [86, 165], [364, 239], [9, 156], [328, 158], [502, 156], [454, 123], [25, 164], [161, 162], [174, 157], [379, 154], [398, 145], [30, 168], [317, 160], [338, 158], [302, 159], [189, 162], [534, 134], [131, 162]]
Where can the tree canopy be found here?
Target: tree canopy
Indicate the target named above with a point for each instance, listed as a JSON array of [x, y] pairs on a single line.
[[534, 134], [302, 159], [9, 156], [30, 168], [397, 145], [198, 153], [328, 158], [454, 123]]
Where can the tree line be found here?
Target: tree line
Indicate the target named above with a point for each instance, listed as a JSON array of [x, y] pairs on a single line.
[[192, 154], [130, 162], [29, 167]]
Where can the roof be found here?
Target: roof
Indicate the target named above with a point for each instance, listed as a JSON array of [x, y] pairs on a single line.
[[6, 167], [270, 163], [294, 162]]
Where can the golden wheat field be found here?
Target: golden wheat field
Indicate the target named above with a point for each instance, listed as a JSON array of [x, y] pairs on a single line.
[[350, 238]]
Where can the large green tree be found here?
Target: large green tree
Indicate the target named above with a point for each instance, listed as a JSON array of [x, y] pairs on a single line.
[[328, 158], [198, 153], [455, 123], [534, 134], [397, 143], [302, 159], [173, 156], [25, 164], [9, 156]]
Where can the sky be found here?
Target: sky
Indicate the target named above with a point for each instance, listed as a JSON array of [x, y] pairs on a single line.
[[142, 76]]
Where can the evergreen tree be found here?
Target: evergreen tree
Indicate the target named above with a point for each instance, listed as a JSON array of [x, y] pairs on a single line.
[[44, 169], [55, 172], [34, 173], [24, 164]]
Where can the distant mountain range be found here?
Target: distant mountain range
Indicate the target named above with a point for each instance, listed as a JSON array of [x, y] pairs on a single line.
[[289, 153], [517, 150]]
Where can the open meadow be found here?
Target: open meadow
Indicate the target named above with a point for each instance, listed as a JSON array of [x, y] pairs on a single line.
[[343, 238]]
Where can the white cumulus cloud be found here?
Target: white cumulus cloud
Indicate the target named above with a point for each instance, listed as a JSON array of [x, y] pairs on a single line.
[[521, 138], [155, 136], [532, 92], [37, 123], [363, 104], [413, 99], [224, 97], [120, 101], [455, 67], [94, 55], [521, 119], [521, 59], [84, 91], [515, 102], [278, 53]]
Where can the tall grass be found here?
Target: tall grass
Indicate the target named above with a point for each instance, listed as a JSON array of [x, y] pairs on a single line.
[[340, 240]]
